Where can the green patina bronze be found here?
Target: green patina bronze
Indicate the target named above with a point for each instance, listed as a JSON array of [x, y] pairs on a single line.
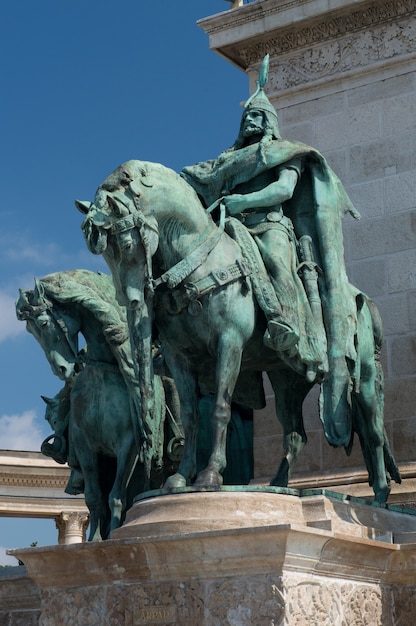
[[96, 416], [238, 263]]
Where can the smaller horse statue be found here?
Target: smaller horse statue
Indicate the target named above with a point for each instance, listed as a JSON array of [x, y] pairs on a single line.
[[96, 412], [175, 268]]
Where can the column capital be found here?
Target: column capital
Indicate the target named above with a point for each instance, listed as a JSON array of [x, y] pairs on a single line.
[[72, 527]]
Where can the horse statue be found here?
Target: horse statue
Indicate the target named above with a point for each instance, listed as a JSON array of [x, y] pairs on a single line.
[[175, 269], [95, 416]]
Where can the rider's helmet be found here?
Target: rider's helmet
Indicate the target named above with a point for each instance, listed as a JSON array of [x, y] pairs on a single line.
[[260, 102]]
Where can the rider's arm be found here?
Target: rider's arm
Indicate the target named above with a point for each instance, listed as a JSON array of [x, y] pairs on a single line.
[[272, 195]]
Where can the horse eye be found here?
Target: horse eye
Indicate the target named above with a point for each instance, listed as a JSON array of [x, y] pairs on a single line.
[[126, 243]]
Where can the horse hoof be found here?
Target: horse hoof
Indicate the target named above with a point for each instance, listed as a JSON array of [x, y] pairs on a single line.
[[279, 481], [176, 481], [209, 479], [382, 495]]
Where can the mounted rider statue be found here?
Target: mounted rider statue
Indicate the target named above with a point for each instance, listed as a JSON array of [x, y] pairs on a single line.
[[292, 204]]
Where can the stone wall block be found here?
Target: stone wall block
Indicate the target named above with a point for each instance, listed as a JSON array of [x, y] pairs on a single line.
[[311, 109], [339, 161], [382, 89], [411, 308], [337, 457], [310, 407], [381, 236], [266, 423], [394, 314], [368, 198], [331, 131], [369, 276], [303, 132], [267, 454], [347, 128], [373, 160], [401, 271], [400, 399], [404, 439], [403, 356], [399, 114], [313, 454], [400, 192]]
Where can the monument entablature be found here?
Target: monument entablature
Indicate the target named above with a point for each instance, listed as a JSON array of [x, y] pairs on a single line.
[[32, 486], [315, 43]]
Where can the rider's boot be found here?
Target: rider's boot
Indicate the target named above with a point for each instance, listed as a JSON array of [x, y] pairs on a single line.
[[282, 337]]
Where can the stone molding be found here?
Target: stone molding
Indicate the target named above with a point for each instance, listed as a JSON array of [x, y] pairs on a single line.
[[319, 560], [32, 485], [33, 481], [314, 49], [31, 470], [380, 42]]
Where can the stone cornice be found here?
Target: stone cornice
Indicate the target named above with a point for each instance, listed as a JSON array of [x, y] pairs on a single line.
[[33, 481], [314, 48], [367, 19], [31, 470], [42, 507], [33, 485]]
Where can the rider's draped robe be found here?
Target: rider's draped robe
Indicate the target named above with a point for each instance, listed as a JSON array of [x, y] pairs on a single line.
[[317, 207]]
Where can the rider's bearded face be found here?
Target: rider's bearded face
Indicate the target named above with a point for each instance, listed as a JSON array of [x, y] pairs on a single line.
[[253, 123]]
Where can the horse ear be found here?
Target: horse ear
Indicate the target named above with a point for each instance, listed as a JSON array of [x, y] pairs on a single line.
[[47, 400], [116, 207], [83, 206], [39, 289]]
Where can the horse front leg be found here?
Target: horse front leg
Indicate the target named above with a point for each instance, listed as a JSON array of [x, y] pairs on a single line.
[[187, 387], [228, 367], [94, 498], [97, 507], [117, 499], [368, 417], [290, 390]]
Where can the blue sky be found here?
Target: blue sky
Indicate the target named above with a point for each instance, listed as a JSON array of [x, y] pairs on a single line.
[[85, 87]]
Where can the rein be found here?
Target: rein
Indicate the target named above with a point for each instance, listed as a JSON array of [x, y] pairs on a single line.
[[181, 270], [174, 276]]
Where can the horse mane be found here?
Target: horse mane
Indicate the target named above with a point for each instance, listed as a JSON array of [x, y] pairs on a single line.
[[150, 174], [93, 291]]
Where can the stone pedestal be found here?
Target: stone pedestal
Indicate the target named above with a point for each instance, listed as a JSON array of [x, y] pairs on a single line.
[[240, 556]]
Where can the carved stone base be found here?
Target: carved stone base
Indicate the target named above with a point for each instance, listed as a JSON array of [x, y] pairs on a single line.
[[241, 556]]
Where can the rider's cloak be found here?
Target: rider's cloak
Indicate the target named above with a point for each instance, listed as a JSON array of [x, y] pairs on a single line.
[[316, 209]]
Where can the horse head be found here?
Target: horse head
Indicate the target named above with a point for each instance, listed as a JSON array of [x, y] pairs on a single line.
[[117, 227], [57, 336]]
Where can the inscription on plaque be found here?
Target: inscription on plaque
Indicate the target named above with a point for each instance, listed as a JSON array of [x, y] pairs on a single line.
[[154, 615]]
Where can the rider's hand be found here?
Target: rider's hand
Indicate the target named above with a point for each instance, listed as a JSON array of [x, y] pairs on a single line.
[[235, 203]]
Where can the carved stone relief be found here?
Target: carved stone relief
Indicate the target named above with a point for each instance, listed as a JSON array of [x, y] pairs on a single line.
[[359, 39], [327, 604], [254, 601]]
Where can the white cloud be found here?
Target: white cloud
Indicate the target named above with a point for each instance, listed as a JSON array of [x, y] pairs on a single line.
[[20, 432], [5, 559], [9, 324], [19, 249]]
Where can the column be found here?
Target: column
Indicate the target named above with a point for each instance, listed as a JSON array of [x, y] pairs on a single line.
[[72, 527]]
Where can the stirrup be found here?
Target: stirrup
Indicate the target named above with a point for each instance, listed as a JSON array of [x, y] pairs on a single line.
[[281, 337]]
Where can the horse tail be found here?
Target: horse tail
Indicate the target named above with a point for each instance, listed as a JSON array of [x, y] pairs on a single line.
[[389, 461]]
